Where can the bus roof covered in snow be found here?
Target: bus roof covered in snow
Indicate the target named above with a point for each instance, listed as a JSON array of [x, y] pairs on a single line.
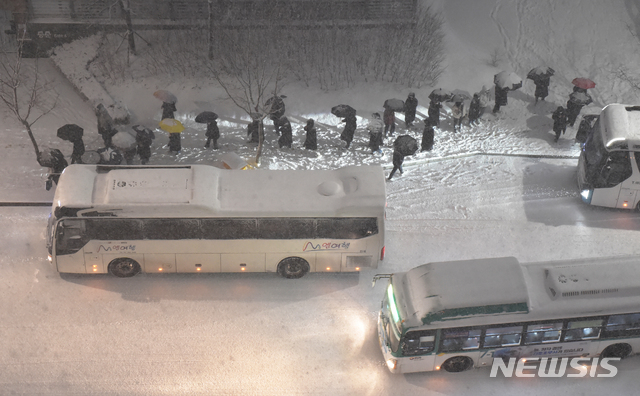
[[202, 190], [620, 127]]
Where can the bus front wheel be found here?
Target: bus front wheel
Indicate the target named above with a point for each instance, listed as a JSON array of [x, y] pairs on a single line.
[[124, 267], [293, 267], [457, 364], [616, 351]]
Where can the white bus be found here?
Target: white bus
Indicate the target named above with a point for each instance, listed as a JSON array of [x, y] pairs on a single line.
[[608, 168], [197, 218], [462, 314]]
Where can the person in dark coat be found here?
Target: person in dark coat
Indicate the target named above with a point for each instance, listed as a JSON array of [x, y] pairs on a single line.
[[501, 98], [427, 136], [349, 129], [56, 163], [277, 110], [168, 110], [398, 159], [175, 144], [105, 125], [389, 118], [376, 131], [559, 122], [574, 106], [410, 106], [78, 150], [253, 130], [144, 137], [212, 134], [311, 140], [542, 87], [286, 136], [434, 112], [474, 109], [457, 112]]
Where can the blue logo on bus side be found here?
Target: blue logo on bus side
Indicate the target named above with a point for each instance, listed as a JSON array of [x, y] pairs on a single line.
[[326, 246]]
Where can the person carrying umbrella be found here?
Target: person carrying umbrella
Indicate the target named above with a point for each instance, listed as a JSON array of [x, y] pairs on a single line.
[[577, 100], [54, 160], [78, 150], [168, 109], [389, 121], [349, 128], [286, 136], [276, 110], [144, 137], [403, 145], [174, 128], [457, 111], [311, 140], [559, 122], [105, 125], [375, 129], [73, 133], [427, 136], [541, 77], [410, 106], [501, 98]]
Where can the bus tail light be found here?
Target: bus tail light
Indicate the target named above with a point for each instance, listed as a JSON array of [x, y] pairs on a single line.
[[382, 252], [437, 368], [625, 204]]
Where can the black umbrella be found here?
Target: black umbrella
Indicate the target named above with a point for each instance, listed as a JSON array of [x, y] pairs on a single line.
[[70, 132], [440, 95], [343, 110], [540, 72], [394, 104], [206, 117], [406, 145]]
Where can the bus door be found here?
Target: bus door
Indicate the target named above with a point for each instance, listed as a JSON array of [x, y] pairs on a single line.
[[69, 240]]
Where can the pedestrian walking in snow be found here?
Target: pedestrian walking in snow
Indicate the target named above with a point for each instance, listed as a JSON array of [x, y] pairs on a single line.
[[349, 129], [559, 122], [501, 98], [376, 131], [474, 109], [253, 130], [54, 160], [410, 106], [212, 134], [389, 118], [311, 140], [276, 109], [286, 135], [542, 87], [457, 112], [398, 159], [175, 143], [78, 150], [105, 125], [434, 112], [168, 110], [427, 136], [578, 99], [144, 137]]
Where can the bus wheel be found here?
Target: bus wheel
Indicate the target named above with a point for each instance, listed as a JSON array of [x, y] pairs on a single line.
[[457, 364], [293, 267], [124, 267], [616, 351]]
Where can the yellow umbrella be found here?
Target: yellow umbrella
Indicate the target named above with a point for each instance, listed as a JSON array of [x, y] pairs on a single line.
[[171, 125]]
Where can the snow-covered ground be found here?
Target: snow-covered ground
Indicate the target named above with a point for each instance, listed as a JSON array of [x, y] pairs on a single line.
[[482, 192]]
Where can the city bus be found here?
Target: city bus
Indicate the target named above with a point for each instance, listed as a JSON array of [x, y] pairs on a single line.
[[124, 220], [457, 315], [608, 167]]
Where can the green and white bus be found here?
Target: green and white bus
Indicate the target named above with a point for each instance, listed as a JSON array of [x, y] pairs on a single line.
[[462, 314], [197, 218], [609, 163]]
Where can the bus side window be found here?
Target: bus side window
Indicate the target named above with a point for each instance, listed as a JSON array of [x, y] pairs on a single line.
[[229, 228], [622, 325], [172, 229], [347, 228], [503, 336], [458, 340], [286, 228], [418, 342], [108, 229], [543, 333], [583, 330]]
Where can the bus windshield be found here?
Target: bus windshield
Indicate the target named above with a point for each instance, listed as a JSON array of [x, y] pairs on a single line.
[[604, 168]]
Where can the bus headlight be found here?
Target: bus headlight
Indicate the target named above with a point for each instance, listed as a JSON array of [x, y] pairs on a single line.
[[586, 195], [392, 363]]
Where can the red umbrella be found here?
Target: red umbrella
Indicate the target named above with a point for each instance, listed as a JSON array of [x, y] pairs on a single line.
[[582, 82]]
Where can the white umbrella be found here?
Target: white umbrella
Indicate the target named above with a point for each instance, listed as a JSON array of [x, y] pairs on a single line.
[[123, 140]]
